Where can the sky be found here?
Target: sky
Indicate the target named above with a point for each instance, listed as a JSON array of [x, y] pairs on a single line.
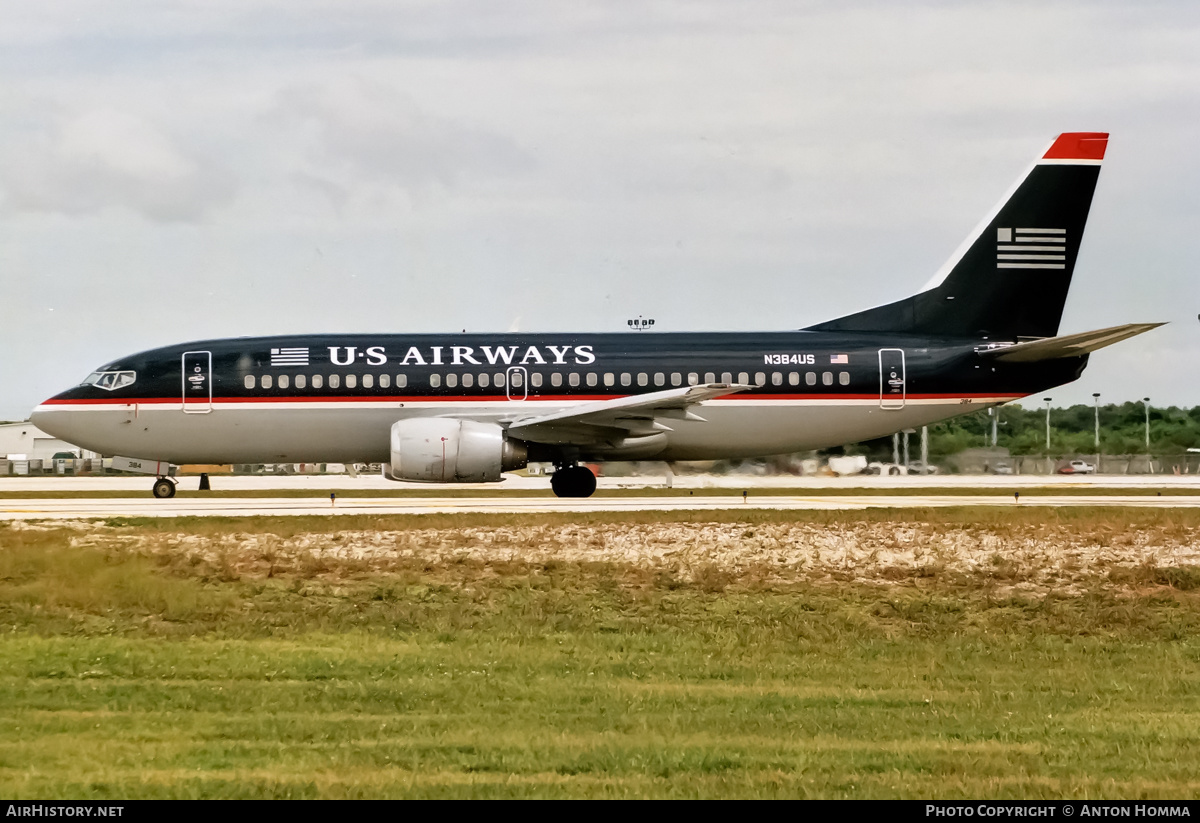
[[189, 170]]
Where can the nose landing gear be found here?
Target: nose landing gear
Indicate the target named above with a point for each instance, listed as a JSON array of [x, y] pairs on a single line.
[[573, 481], [163, 488]]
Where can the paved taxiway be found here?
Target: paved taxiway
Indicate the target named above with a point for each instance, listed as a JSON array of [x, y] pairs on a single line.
[[910, 492], [82, 508]]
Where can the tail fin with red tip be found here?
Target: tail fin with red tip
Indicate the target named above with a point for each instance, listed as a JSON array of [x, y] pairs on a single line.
[[1009, 278]]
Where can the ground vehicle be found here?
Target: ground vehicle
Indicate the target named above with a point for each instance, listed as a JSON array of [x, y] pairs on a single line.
[[1078, 467]]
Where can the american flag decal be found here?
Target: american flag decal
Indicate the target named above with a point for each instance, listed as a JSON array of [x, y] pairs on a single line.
[[1031, 248], [839, 359], [289, 357]]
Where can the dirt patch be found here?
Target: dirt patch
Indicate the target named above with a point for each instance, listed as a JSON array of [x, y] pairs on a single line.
[[1034, 559]]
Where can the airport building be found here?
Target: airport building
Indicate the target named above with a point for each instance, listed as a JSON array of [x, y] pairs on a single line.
[[25, 441]]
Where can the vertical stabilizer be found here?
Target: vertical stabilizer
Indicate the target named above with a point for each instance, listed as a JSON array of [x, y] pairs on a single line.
[[1009, 278]]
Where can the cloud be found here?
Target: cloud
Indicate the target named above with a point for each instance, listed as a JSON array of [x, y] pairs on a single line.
[[361, 133], [105, 158]]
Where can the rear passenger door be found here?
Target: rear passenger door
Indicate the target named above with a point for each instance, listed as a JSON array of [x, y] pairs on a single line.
[[892, 388]]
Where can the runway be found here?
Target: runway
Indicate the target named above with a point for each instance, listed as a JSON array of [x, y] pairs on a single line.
[[345, 484], [85, 508]]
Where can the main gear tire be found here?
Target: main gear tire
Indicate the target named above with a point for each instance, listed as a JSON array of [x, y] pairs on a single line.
[[573, 481], [163, 488]]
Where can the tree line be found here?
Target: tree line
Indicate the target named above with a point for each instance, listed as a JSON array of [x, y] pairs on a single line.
[[1022, 431]]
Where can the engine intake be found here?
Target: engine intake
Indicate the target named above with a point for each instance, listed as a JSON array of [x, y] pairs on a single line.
[[446, 450]]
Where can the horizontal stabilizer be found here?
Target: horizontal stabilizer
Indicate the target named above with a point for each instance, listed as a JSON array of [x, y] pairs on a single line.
[[1068, 345]]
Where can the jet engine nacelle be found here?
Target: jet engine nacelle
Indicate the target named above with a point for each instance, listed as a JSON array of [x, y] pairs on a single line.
[[446, 450]]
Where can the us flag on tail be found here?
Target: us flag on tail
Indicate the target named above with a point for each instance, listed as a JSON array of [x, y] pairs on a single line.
[[1031, 248]]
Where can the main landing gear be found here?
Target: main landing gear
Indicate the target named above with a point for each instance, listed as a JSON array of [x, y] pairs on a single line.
[[573, 481], [164, 488]]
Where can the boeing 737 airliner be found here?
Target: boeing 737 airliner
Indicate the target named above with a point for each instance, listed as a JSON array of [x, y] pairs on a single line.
[[467, 407]]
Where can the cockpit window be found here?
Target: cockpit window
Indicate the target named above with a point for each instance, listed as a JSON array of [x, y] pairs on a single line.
[[110, 380]]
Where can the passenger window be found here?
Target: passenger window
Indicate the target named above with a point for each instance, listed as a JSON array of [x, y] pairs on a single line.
[[401, 381], [643, 379], [266, 381], [660, 379], [709, 377], [744, 378], [451, 380], [283, 381], [693, 378], [468, 380], [248, 381], [591, 378], [726, 377], [435, 380], [318, 381], [485, 380], [609, 378], [334, 381], [626, 379], [368, 381], [573, 378], [499, 382], [676, 379], [844, 378], [760, 379], [300, 381], [776, 379], [810, 378], [556, 379], [793, 378], [351, 381], [827, 378], [535, 379], [385, 381], [516, 380]]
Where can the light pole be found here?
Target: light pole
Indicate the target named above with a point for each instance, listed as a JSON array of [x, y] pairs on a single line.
[[1146, 402], [1047, 401], [1096, 396]]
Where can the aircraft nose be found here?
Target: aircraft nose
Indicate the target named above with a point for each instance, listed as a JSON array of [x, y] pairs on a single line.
[[48, 417]]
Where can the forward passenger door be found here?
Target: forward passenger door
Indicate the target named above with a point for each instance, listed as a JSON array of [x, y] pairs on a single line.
[[197, 382]]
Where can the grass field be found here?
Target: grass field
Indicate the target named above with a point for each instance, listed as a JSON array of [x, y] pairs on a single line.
[[939, 653]]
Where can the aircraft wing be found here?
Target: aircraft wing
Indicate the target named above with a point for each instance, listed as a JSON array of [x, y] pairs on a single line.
[[1067, 345], [620, 418]]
